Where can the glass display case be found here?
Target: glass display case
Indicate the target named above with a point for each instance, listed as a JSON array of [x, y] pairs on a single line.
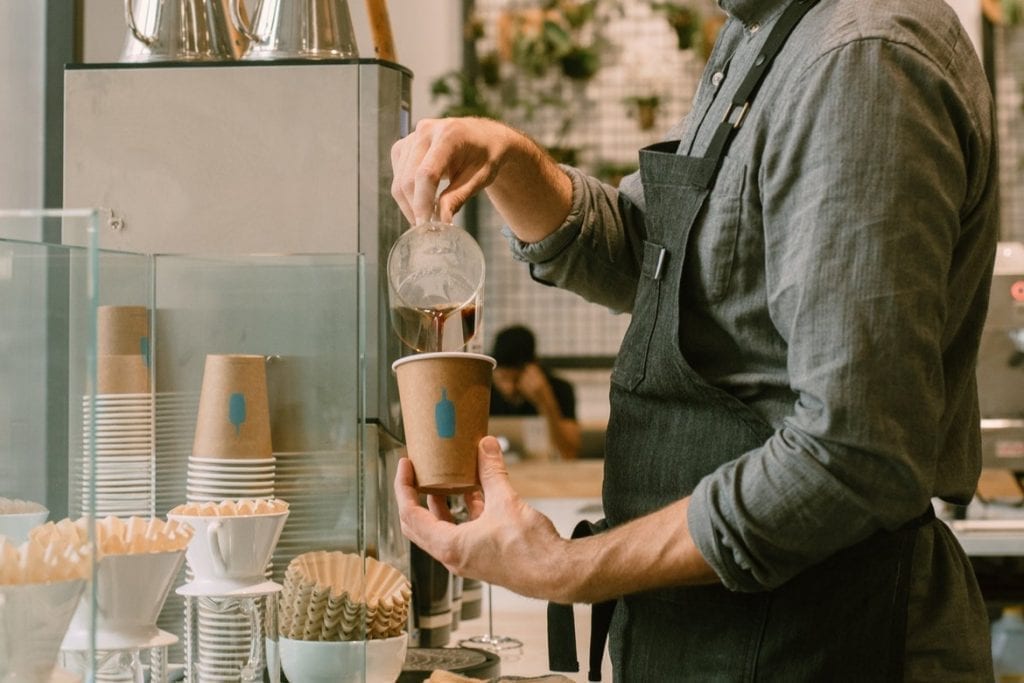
[[48, 298], [209, 411]]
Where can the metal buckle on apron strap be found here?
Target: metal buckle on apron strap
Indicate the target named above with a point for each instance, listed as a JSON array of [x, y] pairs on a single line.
[[655, 257], [742, 115]]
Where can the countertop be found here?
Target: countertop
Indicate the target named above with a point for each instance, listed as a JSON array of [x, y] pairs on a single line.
[[562, 479]]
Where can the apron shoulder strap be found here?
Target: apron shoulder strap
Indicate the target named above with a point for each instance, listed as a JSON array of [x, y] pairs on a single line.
[[744, 95]]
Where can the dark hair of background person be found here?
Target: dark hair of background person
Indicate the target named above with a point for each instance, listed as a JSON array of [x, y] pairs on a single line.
[[514, 347]]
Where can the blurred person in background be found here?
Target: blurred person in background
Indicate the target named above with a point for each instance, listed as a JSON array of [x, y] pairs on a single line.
[[522, 387]]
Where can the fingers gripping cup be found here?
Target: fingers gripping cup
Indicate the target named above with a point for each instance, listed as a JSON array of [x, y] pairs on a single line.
[[436, 279], [445, 401]]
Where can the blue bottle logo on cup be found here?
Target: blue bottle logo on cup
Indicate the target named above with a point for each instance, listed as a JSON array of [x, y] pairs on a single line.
[[444, 416], [236, 411]]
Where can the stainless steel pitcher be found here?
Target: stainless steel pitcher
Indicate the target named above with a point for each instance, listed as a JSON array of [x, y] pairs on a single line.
[[176, 30], [298, 29]]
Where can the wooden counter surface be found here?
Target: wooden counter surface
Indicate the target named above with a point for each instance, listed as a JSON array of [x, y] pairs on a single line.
[[557, 478]]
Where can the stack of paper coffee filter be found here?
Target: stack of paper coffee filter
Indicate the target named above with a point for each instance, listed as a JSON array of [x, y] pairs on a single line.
[[41, 582], [18, 517], [336, 596], [136, 562]]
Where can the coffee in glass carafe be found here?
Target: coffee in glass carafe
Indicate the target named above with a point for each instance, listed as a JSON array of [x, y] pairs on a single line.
[[436, 280]]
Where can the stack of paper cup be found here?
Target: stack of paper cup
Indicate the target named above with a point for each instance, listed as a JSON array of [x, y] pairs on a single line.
[[123, 350], [315, 453], [231, 449], [320, 488], [232, 458], [175, 430], [122, 414]]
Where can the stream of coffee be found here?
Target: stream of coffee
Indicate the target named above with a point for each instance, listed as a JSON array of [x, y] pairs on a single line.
[[424, 328]]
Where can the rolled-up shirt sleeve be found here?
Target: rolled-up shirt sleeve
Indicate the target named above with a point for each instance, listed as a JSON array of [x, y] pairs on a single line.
[[594, 252], [872, 284]]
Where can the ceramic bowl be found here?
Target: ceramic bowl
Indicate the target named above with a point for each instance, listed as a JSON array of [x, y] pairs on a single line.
[[343, 662]]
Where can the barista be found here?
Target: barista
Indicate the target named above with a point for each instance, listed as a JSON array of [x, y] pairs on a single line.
[[807, 264], [522, 387]]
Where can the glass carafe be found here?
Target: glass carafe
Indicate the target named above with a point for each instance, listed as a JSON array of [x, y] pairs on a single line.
[[436, 280]]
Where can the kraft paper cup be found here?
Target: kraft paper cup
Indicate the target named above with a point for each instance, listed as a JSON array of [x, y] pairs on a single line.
[[125, 374], [233, 420], [445, 400], [123, 350], [122, 331]]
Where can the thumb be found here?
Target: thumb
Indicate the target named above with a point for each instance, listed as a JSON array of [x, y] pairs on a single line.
[[493, 472]]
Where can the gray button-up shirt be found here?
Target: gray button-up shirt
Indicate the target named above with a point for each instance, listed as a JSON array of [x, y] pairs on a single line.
[[836, 280]]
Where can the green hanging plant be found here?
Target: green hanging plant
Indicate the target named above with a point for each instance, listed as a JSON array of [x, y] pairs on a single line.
[[1012, 11], [465, 98], [683, 20]]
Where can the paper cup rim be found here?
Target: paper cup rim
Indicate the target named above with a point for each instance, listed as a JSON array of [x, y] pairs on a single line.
[[443, 354]]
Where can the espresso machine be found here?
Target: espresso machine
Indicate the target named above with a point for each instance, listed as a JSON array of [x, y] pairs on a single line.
[[1001, 364]]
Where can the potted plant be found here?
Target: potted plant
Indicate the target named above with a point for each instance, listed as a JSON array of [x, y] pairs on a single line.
[[644, 108], [562, 34], [683, 20]]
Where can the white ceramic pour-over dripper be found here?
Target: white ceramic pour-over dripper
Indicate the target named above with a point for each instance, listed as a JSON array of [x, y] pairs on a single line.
[[230, 554], [130, 593], [436, 281], [33, 620]]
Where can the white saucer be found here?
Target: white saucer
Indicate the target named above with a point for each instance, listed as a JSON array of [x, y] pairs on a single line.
[[143, 639]]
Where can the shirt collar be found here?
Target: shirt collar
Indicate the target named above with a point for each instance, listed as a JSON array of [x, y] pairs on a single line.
[[751, 12]]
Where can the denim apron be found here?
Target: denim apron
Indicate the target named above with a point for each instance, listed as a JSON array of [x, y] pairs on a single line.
[[843, 619]]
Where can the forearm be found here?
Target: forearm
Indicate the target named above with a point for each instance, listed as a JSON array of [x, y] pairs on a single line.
[[654, 551], [565, 437], [532, 194], [563, 433]]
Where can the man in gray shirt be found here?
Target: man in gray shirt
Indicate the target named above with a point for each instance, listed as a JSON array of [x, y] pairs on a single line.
[[807, 262]]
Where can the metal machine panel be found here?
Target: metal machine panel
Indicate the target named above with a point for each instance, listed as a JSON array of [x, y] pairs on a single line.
[[1001, 363], [246, 158]]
